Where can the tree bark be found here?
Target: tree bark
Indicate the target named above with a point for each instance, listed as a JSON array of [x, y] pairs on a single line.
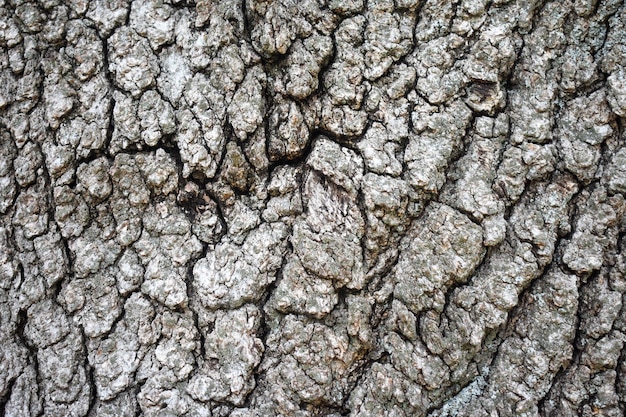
[[316, 208]]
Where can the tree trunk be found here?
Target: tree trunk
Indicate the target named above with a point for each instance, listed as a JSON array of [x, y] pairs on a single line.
[[312, 208]]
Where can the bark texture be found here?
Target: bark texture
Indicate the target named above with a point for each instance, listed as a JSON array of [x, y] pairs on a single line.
[[260, 208]]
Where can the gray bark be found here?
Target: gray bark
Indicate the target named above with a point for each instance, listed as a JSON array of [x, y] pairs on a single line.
[[312, 208]]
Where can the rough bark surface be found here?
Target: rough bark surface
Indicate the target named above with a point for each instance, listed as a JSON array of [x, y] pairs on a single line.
[[258, 208]]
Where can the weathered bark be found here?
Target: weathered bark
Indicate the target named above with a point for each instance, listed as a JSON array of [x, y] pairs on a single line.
[[316, 208]]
